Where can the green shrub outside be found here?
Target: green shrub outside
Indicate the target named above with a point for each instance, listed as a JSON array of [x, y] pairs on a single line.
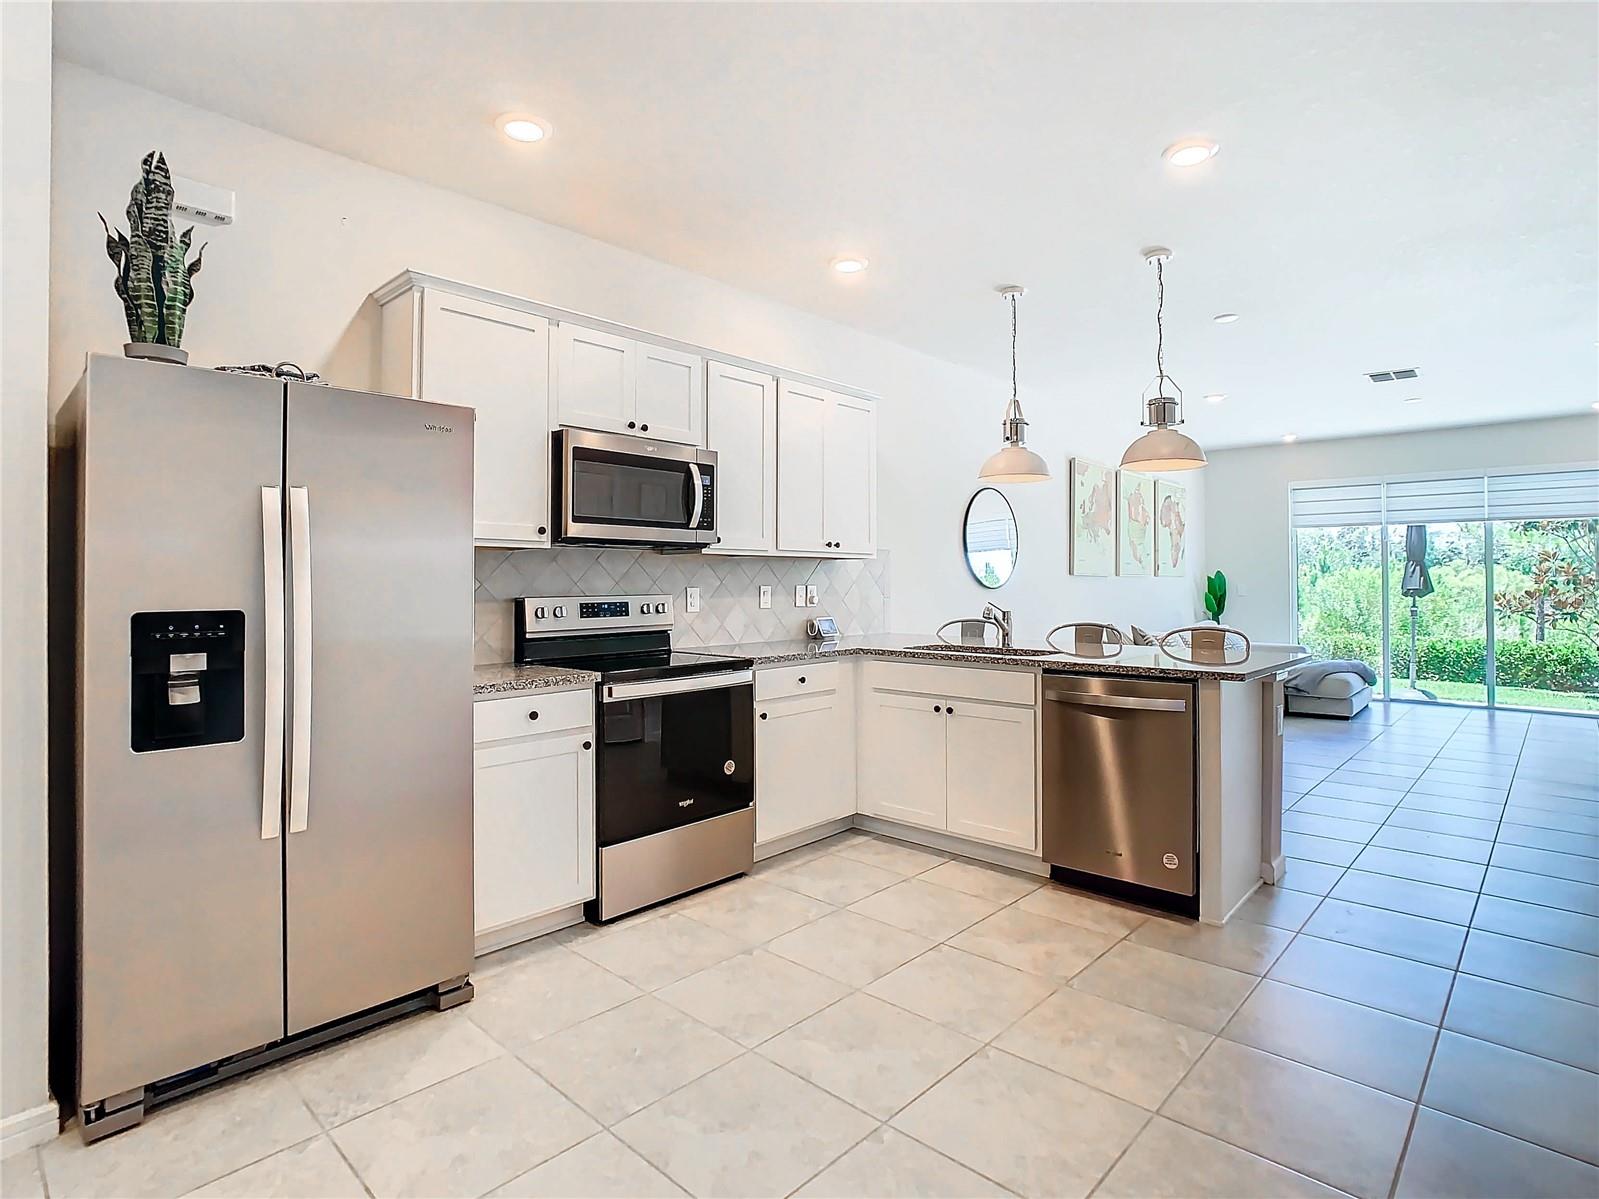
[[1545, 665]]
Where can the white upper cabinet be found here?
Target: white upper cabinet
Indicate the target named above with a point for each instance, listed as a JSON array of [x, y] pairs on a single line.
[[741, 426], [455, 350], [595, 374], [826, 472], [618, 385], [669, 396], [802, 413]]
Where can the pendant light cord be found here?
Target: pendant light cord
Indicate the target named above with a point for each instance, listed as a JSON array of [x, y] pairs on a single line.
[[1160, 327], [1015, 401]]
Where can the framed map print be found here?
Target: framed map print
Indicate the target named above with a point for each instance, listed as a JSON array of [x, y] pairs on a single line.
[[1171, 528], [1135, 523], [1093, 518]]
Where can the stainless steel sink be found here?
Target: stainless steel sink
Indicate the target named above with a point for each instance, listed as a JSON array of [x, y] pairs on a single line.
[[992, 650]]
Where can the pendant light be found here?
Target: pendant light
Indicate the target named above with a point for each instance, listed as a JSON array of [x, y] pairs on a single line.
[[1163, 447], [1014, 462]]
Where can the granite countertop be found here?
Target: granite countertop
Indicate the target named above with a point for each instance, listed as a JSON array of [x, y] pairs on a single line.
[[1133, 660], [507, 678]]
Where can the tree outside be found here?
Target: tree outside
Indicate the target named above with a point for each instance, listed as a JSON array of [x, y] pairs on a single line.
[[1545, 609]]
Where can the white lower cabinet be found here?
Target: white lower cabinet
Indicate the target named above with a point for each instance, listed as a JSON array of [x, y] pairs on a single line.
[[936, 758], [533, 831], [804, 748]]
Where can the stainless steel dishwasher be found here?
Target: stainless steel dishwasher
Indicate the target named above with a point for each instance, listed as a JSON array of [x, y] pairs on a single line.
[[1120, 793]]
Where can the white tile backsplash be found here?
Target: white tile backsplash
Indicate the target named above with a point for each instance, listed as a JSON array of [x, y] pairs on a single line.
[[855, 592]]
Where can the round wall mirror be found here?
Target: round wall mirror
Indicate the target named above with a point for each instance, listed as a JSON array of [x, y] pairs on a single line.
[[990, 538]]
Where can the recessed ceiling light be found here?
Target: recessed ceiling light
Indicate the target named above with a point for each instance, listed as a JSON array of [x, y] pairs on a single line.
[[1225, 318], [1594, 405], [1190, 153], [1215, 397], [520, 127], [1412, 400], [1290, 438], [849, 265]]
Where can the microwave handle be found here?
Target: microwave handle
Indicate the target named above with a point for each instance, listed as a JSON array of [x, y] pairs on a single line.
[[695, 481]]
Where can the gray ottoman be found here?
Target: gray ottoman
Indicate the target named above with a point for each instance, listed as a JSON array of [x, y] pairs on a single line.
[[1342, 695]]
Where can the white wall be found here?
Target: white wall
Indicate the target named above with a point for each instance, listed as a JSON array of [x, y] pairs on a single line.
[[1246, 496], [24, 261], [316, 232]]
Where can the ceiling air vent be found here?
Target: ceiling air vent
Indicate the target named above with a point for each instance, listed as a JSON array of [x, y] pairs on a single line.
[[1407, 372]]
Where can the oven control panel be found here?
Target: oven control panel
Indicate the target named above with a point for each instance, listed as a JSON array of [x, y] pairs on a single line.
[[549, 615]]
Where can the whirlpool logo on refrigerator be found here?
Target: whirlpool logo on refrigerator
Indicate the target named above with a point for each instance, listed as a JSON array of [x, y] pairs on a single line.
[[433, 428]]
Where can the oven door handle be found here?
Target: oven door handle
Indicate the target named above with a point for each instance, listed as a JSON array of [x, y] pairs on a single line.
[[700, 682], [697, 485]]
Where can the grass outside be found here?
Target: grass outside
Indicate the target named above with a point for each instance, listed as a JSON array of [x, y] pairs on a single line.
[[1510, 697]]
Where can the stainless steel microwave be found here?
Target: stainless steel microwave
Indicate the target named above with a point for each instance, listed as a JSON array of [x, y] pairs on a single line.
[[612, 489]]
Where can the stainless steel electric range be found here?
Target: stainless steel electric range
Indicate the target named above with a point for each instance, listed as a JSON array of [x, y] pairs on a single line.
[[675, 771]]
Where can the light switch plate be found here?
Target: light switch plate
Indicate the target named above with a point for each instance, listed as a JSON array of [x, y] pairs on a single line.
[[799, 595], [810, 595], [766, 596], [691, 600]]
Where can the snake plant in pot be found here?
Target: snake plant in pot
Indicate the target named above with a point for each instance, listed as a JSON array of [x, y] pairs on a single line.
[[154, 281]]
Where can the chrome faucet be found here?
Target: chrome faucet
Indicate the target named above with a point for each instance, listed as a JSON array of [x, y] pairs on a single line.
[[1004, 620]]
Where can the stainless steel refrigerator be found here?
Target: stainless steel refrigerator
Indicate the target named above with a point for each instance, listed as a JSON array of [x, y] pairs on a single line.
[[267, 839]]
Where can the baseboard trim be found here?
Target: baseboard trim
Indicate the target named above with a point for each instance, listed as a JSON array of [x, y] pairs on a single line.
[[525, 930], [806, 836], [27, 1129], [994, 855]]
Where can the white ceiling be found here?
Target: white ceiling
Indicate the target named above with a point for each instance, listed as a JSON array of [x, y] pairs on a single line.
[[1399, 184]]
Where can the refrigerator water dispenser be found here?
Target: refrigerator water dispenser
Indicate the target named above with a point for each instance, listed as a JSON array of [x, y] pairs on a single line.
[[187, 679]]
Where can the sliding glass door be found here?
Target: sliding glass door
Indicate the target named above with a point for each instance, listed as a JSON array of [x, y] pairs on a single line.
[[1464, 590]]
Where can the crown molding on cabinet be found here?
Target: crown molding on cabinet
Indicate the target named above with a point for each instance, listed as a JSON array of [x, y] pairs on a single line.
[[409, 279]]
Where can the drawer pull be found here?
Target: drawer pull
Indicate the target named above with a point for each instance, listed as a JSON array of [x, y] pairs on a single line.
[[937, 708], [950, 709], [533, 715], [763, 715], [802, 678], [588, 745]]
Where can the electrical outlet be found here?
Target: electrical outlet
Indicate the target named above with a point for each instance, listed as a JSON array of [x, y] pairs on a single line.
[[766, 597], [691, 600], [799, 595], [810, 595]]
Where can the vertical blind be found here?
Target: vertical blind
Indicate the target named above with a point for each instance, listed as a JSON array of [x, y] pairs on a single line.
[[1564, 494]]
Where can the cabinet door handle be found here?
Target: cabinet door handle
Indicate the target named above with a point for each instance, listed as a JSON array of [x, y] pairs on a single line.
[[543, 530], [631, 425], [950, 709], [937, 708], [802, 678], [763, 715], [533, 715], [643, 428], [588, 745]]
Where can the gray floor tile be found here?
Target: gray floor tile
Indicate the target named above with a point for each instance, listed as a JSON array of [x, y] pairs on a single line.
[[1037, 944], [1557, 840], [1536, 888], [1454, 1159], [753, 996], [1542, 861], [1313, 878], [313, 1169], [1406, 895], [1534, 922], [1278, 907], [1444, 822], [851, 948], [1531, 964], [1172, 1161], [1398, 933], [1398, 985], [926, 909], [963, 991], [599, 1168], [1178, 988], [1237, 945], [1337, 827], [1424, 868], [890, 1165], [1531, 1021], [1319, 849]]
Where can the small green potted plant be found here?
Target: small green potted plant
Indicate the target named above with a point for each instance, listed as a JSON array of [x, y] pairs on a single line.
[[154, 282], [1216, 595]]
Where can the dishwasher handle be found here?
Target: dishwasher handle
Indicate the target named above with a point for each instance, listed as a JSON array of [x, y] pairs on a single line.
[[1116, 701]]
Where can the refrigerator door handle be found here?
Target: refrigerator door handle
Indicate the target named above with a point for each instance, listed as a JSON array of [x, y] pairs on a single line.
[[300, 696], [272, 719]]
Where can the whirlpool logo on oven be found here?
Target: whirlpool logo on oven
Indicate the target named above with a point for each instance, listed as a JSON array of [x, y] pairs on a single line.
[[683, 803]]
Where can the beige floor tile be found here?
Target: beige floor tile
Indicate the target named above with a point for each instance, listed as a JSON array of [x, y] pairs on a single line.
[[463, 1136], [622, 1060], [599, 1168], [852, 948], [1178, 988], [904, 860], [747, 1129], [1313, 878], [183, 1146], [350, 1079], [835, 879], [1360, 1043], [1171, 1161], [890, 1165], [22, 1178], [1349, 809], [1025, 1127], [925, 909], [986, 882], [752, 912], [1333, 1130], [753, 996], [1277, 907], [794, 857], [1406, 895], [1237, 945], [1037, 944], [1398, 985], [1534, 922], [1442, 845], [661, 951], [1085, 911], [1531, 964], [1325, 850], [1445, 822], [1133, 1055], [870, 1053], [1531, 1021], [1433, 941], [1339, 828], [959, 990], [544, 994], [1423, 867], [1451, 1159], [1533, 1098], [1533, 888], [313, 1169]]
